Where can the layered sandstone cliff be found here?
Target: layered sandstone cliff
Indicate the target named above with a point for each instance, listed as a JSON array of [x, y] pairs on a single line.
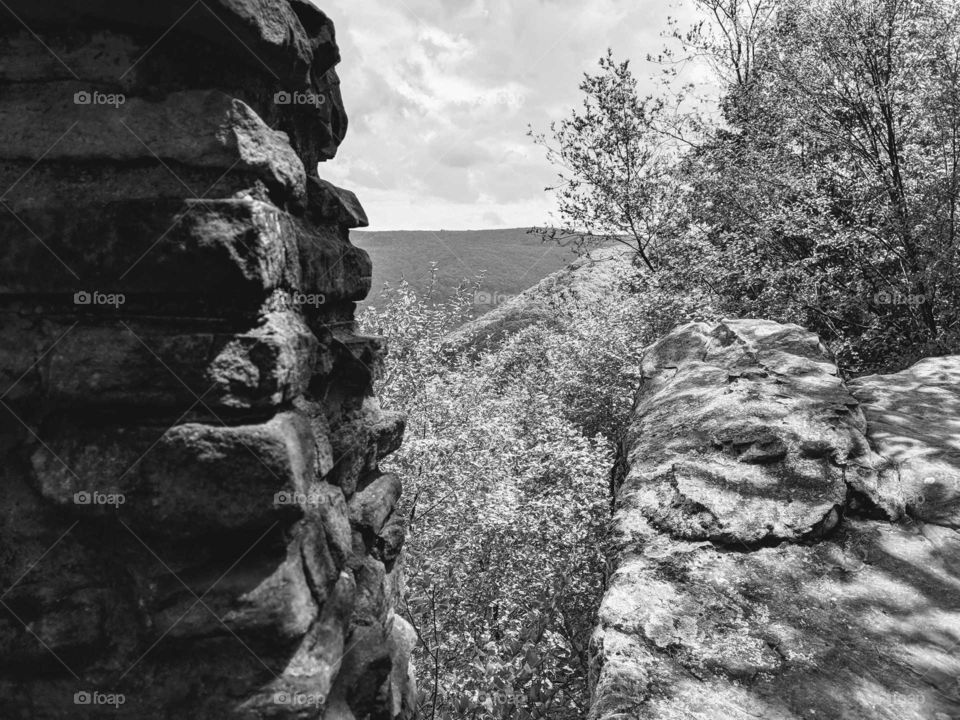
[[193, 520]]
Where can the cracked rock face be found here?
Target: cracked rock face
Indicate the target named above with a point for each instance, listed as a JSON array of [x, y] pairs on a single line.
[[745, 583], [193, 522]]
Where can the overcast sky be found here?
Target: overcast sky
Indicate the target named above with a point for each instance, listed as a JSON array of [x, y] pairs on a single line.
[[440, 94]]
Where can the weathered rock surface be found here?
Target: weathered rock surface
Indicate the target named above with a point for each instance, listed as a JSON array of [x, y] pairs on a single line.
[[212, 250], [206, 129], [337, 205], [758, 572], [193, 522], [742, 434], [914, 425], [277, 57]]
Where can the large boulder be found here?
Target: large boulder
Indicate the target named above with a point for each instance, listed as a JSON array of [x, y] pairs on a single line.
[[742, 434], [757, 569]]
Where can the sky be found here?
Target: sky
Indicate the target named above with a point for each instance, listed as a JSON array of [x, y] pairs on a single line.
[[441, 94]]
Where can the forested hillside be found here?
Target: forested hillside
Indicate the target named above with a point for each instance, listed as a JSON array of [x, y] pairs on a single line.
[[503, 262], [820, 189]]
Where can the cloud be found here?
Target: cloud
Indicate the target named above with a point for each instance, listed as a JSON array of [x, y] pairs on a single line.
[[440, 95], [493, 220]]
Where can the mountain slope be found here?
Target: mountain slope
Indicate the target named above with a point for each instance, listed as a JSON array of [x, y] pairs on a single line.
[[551, 302]]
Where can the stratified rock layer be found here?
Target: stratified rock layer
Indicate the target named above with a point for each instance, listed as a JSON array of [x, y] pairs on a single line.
[[194, 524], [763, 566]]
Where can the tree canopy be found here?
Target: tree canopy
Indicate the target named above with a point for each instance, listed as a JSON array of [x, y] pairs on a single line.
[[821, 188]]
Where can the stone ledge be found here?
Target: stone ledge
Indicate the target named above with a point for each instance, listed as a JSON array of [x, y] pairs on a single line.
[[841, 628], [913, 420], [235, 252], [309, 109], [199, 128], [148, 365], [741, 434], [185, 480], [272, 32]]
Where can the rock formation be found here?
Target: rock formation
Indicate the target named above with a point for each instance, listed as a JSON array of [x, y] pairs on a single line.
[[913, 423], [786, 545], [194, 523]]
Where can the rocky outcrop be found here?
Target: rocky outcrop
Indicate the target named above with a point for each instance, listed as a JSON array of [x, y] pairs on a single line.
[[194, 523], [913, 423], [772, 558]]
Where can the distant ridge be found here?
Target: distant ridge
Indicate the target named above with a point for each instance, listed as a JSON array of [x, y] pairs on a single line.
[[511, 260]]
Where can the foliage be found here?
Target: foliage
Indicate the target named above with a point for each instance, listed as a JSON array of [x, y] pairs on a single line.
[[506, 472], [615, 181], [833, 195], [821, 190]]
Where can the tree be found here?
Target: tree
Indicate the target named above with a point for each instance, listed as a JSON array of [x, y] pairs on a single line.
[[831, 190], [615, 183], [505, 466], [506, 497], [729, 38], [822, 187]]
